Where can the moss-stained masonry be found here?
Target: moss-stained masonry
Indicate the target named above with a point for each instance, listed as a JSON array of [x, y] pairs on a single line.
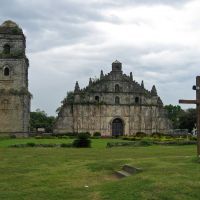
[[115, 97], [14, 94]]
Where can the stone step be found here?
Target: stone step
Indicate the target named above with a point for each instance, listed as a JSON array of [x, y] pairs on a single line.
[[131, 170], [121, 174]]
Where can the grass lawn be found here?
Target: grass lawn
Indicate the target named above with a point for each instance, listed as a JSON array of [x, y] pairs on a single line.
[[169, 172]]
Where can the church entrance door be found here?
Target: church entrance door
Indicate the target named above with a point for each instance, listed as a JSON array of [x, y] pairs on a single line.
[[117, 127]]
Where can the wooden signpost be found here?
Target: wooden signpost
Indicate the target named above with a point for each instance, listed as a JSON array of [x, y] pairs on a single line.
[[197, 102]]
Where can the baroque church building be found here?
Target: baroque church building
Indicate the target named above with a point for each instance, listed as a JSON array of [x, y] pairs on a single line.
[[113, 105], [14, 94]]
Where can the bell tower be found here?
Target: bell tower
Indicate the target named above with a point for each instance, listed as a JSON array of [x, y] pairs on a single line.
[[116, 66], [14, 94]]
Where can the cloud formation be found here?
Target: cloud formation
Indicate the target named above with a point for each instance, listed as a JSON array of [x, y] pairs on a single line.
[[69, 40]]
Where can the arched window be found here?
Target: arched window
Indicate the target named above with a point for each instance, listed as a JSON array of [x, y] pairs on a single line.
[[6, 49], [116, 88], [97, 98], [137, 99], [117, 100], [6, 71]]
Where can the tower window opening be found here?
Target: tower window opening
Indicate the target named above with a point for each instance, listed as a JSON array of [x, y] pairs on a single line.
[[6, 71], [97, 98], [6, 49], [137, 99]]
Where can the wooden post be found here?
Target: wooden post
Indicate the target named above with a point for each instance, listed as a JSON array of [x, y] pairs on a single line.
[[198, 114], [197, 102]]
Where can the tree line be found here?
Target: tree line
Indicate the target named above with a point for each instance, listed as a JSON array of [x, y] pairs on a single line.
[[182, 119], [40, 119]]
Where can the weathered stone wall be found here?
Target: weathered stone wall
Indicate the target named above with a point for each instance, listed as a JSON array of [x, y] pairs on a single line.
[[14, 94], [14, 116], [98, 118]]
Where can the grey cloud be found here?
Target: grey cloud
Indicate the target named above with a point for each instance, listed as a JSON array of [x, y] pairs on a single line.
[[66, 20], [167, 79], [148, 2], [50, 24]]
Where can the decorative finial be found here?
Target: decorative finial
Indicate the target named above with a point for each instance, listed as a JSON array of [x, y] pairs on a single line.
[[160, 101], [131, 75], [77, 88], [102, 75], [90, 81], [154, 91], [142, 84]]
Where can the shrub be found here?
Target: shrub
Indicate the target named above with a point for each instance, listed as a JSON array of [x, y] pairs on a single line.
[[30, 144], [65, 145], [176, 143], [82, 140], [134, 139], [116, 136], [119, 144], [145, 142], [46, 145], [141, 134], [193, 138], [130, 138], [97, 134], [142, 143], [18, 145], [126, 138], [87, 133], [156, 134], [65, 137], [4, 137], [69, 134]]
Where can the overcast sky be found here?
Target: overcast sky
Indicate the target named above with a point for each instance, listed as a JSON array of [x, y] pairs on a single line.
[[69, 40]]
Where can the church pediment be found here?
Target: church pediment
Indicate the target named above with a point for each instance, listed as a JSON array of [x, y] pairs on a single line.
[[107, 82]]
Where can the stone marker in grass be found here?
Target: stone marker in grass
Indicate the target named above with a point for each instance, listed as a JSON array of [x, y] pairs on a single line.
[[126, 171]]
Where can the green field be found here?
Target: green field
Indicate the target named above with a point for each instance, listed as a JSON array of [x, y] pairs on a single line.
[[169, 172]]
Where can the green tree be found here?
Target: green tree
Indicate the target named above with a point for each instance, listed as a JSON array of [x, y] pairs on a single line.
[[174, 114], [188, 119], [182, 119], [39, 119]]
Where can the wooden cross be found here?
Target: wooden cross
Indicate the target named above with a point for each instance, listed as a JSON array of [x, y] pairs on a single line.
[[197, 102]]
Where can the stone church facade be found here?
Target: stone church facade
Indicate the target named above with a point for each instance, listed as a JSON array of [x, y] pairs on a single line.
[[14, 94], [114, 104]]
